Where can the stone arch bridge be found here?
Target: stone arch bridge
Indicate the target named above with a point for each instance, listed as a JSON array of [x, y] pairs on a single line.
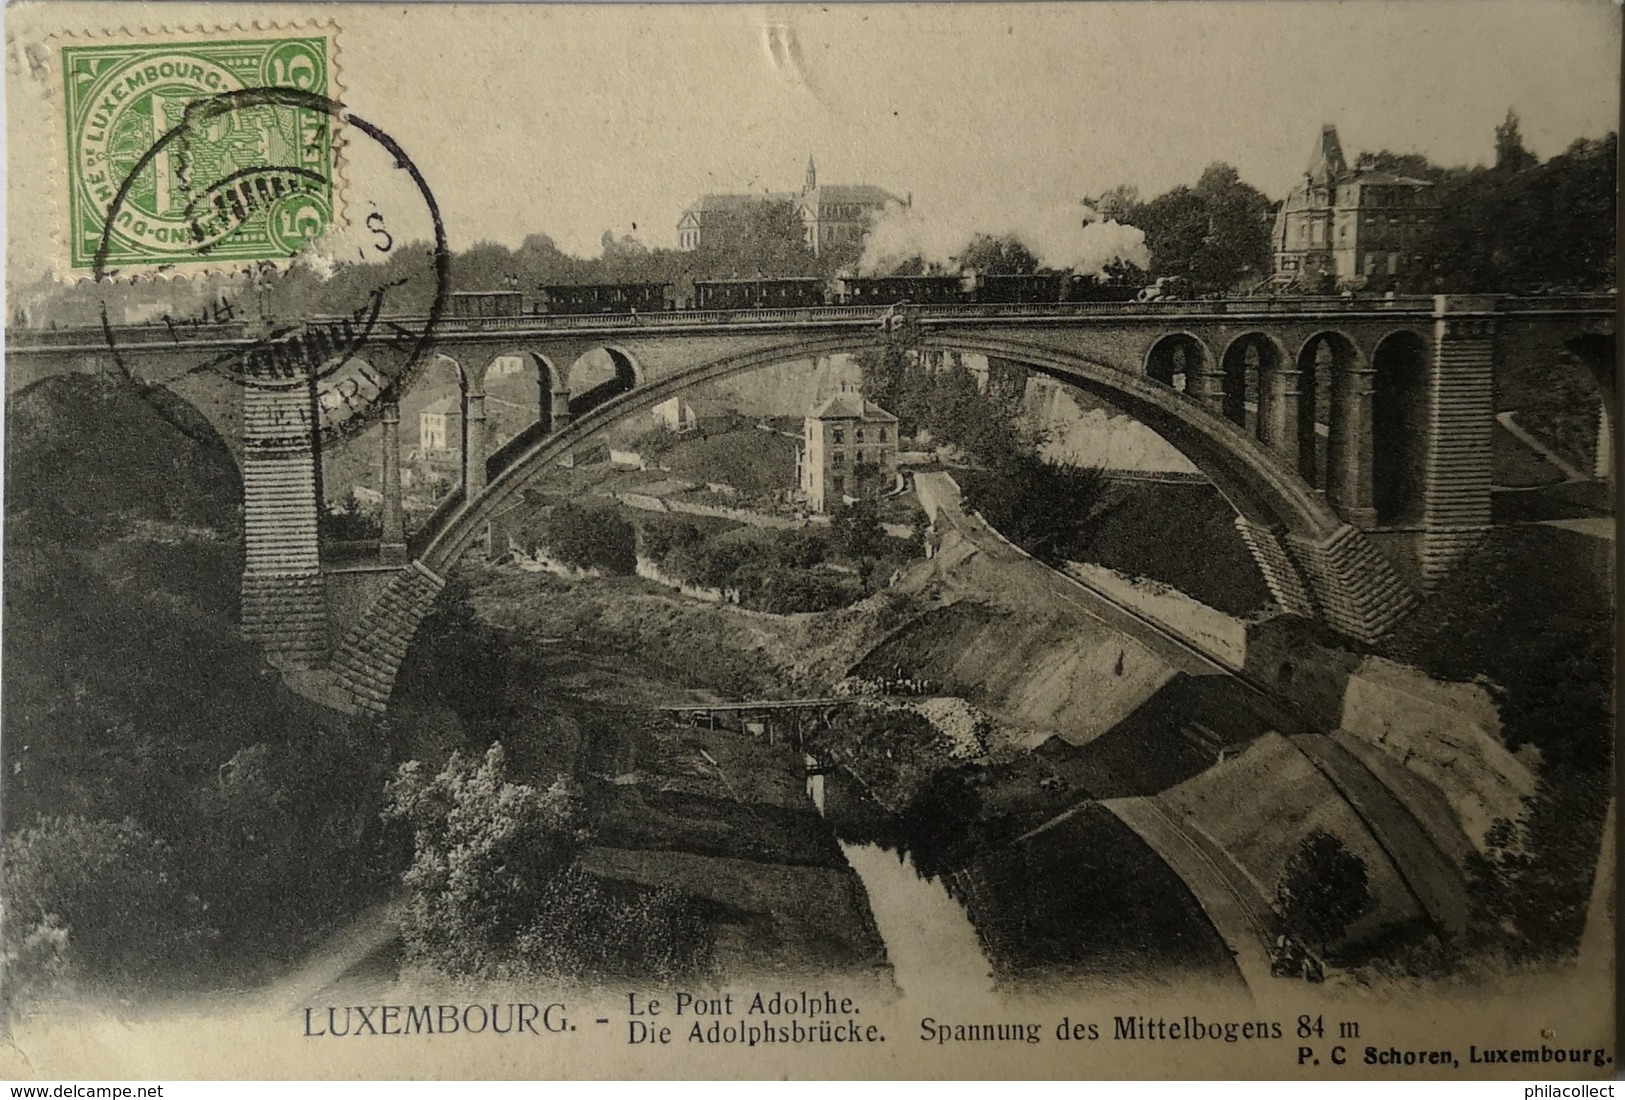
[[1319, 420]]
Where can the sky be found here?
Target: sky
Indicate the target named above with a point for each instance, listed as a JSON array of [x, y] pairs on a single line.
[[573, 120]]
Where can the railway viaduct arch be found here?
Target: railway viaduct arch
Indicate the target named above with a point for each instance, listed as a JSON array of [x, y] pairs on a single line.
[[1317, 419], [1315, 563]]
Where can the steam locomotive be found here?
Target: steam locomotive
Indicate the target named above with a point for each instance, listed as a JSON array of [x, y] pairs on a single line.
[[792, 293]]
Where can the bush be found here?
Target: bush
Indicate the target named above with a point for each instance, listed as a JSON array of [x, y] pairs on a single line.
[[587, 927], [719, 562], [93, 898], [1531, 887], [787, 591], [486, 852], [350, 520], [660, 536], [801, 549], [496, 892], [592, 537], [895, 751], [1323, 889], [1048, 509]]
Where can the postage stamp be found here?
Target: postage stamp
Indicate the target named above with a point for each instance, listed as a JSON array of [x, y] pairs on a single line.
[[151, 182]]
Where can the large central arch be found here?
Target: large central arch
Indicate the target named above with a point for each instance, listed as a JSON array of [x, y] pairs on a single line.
[[1312, 561], [1314, 564], [1245, 473]]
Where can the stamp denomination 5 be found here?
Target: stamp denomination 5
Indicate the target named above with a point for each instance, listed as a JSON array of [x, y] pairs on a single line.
[[251, 186]]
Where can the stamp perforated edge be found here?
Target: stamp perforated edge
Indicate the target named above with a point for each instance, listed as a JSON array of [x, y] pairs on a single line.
[[56, 192]]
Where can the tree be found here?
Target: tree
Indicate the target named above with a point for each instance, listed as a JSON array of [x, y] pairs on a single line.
[[486, 851], [1323, 889], [1410, 165], [1118, 204], [1542, 225], [100, 897], [1049, 509], [1216, 234], [1175, 225], [1236, 249], [801, 549], [858, 536], [660, 536], [990, 255], [761, 237], [1510, 155]]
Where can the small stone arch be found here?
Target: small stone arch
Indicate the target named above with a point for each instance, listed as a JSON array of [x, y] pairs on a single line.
[[1327, 362], [549, 379], [1253, 377], [625, 377], [1401, 385], [1180, 360]]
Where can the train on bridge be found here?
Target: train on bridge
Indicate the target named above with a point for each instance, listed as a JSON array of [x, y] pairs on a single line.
[[792, 293]]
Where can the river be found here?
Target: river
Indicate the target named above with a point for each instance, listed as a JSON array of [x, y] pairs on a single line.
[[930, 940]]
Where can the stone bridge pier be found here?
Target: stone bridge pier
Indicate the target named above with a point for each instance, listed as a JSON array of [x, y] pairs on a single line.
[[284, 603]]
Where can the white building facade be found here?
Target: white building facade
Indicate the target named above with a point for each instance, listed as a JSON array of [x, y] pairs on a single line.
[[848, 449]]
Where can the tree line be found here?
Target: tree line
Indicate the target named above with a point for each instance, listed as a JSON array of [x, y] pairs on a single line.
[[1516, 224]]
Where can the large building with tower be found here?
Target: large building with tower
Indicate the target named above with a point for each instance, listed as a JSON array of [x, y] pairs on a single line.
[[1349, 227], [831, 215]]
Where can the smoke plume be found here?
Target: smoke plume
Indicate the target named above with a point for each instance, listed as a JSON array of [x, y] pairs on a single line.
[[1063, 236]]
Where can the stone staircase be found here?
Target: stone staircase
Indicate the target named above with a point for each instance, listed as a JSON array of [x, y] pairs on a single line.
[[371, 653]]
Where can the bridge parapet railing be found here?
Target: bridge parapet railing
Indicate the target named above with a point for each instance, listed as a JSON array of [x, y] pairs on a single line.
[[1560, 303], [947, 312], [145, 333], [696, 318], [158, 332]]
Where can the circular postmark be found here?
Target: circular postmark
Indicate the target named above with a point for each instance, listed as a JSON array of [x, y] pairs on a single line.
[[341, 369]]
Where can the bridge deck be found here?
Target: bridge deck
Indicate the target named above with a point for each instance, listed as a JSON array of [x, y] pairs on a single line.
[[141, 337]]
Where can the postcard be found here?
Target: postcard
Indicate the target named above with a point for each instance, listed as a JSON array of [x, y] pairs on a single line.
[[787, 541]]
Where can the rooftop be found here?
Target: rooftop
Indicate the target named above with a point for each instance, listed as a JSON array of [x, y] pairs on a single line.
[[851, 192], [850, 406]]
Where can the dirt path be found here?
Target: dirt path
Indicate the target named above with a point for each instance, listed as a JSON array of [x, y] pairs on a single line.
[[1239, 916], [371, 932]]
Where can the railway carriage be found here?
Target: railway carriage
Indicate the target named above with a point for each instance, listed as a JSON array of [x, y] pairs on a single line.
[[798, 293], [487, 303], [792, 293], [890, 290], [1043, 286], [606, 298], [1092, 288]]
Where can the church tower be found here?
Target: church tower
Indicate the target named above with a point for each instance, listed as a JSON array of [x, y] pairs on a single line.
[[811, 183]]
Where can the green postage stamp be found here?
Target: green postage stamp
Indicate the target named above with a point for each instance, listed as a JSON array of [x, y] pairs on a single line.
[[185, 152]]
